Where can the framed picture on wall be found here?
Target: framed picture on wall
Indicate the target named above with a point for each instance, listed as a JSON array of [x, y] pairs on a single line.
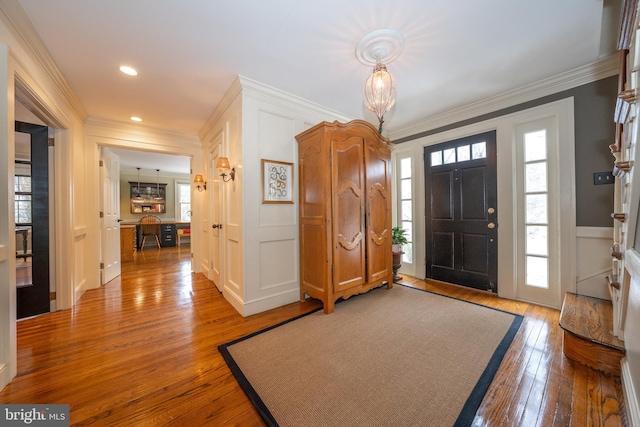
[[277, 181]]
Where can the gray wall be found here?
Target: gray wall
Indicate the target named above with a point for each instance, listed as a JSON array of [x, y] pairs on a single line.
[[594, 106]]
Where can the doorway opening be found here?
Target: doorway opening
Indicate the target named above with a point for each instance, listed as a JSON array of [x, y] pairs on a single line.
[[32, 219], [136, 183]]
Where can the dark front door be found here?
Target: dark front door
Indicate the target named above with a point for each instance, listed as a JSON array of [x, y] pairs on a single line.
[[461, 196], [33, 219]]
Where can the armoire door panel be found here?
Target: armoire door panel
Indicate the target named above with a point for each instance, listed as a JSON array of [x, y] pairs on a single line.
[[377, 176], [313, 243], [312, 166], [348, 213]]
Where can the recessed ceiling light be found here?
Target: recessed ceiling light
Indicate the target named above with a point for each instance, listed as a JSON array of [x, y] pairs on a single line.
[[128, 70], [136, 119]]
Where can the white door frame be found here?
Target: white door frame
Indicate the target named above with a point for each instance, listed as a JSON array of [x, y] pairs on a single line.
[[563, 111], [215, 252]]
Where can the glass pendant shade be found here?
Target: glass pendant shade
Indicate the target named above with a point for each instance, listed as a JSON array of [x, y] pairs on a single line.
[[380, 91]]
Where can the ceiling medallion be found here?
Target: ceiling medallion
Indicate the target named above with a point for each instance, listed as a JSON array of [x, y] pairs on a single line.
[[380, 46]]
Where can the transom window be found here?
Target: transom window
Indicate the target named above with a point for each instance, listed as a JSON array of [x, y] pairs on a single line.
[[462, 153]]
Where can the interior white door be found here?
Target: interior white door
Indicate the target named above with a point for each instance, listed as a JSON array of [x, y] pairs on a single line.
[[110, 221], [216, 222]]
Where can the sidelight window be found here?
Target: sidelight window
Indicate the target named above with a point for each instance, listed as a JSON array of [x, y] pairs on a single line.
[[536, 209], [406, 207]]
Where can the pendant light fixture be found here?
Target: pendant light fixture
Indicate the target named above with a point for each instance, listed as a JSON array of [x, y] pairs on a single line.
[[138, 198], [380, 92], [378, 49], [158, 185]]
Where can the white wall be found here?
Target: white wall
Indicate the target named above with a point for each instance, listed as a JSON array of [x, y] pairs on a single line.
[[261, 244], [27, 72], [592, 263]]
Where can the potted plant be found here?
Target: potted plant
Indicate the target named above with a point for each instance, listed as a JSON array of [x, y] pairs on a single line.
[[398, 239]]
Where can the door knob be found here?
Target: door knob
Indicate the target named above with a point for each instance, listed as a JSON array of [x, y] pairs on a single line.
[[491, 225], [217, 226]]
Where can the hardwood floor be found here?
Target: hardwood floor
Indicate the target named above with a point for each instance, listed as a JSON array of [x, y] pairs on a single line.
[[142, 351]]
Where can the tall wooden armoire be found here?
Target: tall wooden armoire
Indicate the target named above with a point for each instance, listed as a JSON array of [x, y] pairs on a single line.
[[345, 211]]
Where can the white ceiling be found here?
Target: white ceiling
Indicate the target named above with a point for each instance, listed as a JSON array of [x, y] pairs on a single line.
[[188, 52]]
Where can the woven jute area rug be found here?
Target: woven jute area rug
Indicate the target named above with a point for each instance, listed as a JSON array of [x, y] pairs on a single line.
[[396, 357]]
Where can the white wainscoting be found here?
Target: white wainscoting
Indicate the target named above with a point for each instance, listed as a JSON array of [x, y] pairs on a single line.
[[593, 261]]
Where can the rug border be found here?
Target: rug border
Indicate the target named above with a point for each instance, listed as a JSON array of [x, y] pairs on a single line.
[[244, 383], [469, 409]]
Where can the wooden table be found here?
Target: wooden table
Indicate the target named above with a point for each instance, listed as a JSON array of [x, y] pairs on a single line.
[[25, 233]]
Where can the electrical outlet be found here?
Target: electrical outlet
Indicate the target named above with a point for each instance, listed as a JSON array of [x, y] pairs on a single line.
[[600, 178]]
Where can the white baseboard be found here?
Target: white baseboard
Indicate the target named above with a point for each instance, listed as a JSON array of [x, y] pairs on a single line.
[[630, 396], [4, 376], [79, 290], [248, 308]]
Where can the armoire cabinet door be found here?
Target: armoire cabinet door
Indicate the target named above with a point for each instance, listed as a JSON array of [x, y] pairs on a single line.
[[348, 187], [378, 196], [315, 250]]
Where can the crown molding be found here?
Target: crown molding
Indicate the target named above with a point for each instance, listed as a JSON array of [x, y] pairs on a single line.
[[152, 177], [17, 22], [141, 136], [242, 85], [606, 67], [227, 99], [285, 99]]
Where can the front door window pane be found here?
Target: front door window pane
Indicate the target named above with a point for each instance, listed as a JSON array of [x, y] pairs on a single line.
[[463, 153], [479, 150], [436, 158], [449, 155]]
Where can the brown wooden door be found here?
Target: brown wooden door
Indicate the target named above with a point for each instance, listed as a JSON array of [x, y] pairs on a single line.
[[378, 198], [461, 198], [33, 298], [348, 185]]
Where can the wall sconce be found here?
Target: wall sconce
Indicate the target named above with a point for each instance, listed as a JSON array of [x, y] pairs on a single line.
[[223, 166], [201, 184]]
